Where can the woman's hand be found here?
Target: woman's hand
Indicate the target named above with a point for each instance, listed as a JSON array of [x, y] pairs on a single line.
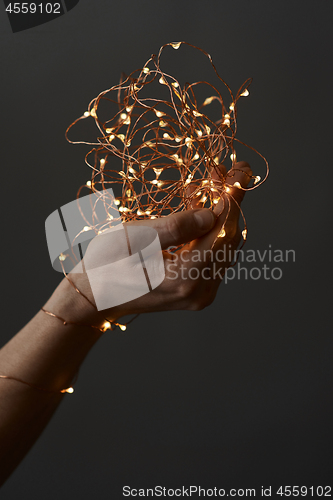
[[192, 273]]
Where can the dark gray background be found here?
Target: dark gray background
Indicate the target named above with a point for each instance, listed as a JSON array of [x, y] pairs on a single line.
[[237, 395]]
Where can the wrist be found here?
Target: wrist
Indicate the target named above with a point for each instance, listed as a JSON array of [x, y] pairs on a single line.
[[73, 302]]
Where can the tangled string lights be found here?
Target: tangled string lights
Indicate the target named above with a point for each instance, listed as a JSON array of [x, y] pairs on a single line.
[[162, 155]]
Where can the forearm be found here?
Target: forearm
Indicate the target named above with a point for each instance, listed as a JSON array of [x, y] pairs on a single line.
[[47, 354]]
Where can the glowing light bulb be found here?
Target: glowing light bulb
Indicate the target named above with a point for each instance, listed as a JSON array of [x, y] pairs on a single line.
[[199, 133], [108, 130], [175, 84], [226, 121], [244, 234], [245, 93], [233, 157], [178, 160], [232, 107], [117, 202], [93, 113], [160, 183], [127, 121], [207, 129], [70, 390], [188, 142], [158, 172], [162, 81], [153, 217], [123, 116], [121, 137], [62, 257], [196, 156], [237, 185], [139, 212], [129, 108], [257, 179], [106, 326], [175, 45], [227, 188], [203, 199], [146, 70], [131, 169], [163, 123], [166, 136], [159, 113], [208, 100], [123, 327], [148, 212], [154, 181], [88, 183], [112, 136], [222, 233], [102, 161], [196, 113], [215, 200], [87, 228], [86, 114], [178, 138], [123, 209]]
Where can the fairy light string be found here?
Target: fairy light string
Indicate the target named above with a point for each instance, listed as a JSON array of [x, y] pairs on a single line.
[[162, 155]]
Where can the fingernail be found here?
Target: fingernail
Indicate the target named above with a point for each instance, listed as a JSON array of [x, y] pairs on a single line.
[[204, 218]]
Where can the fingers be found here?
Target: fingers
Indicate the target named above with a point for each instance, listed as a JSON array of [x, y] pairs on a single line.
[[227, 209], [240, 173], [181, 227]]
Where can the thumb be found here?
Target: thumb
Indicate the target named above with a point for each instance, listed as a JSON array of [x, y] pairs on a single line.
[[181, 227]]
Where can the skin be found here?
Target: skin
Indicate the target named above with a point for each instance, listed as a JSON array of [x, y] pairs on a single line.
[[48, 353]]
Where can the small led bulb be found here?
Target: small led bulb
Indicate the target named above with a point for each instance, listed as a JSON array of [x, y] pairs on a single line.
[[86, 114], [208, 100], [245, 93], [244, 234], [123, 327], [69, 390], [257, 179], [237, 185], [222, 233]]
